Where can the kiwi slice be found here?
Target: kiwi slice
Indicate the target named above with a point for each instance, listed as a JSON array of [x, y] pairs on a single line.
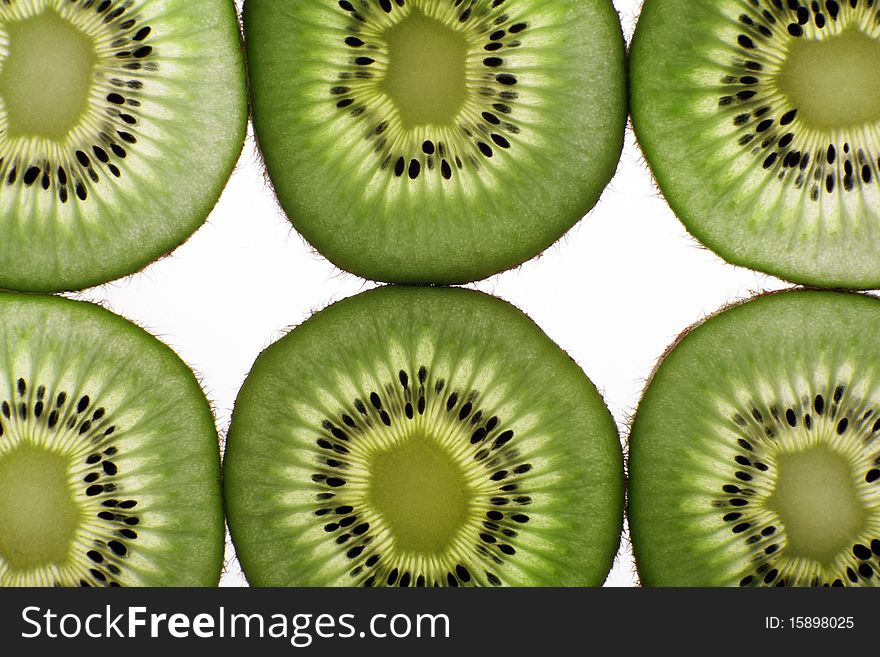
[[120, 122], [761, 121], [109, 460], [755, 451], [436, 141], [422, 437]]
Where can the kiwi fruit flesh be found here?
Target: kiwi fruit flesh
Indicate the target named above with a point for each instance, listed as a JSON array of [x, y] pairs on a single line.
[[120, 122], [754, 455], [109, 458], [436, 141], [760, 120], [422, 437]]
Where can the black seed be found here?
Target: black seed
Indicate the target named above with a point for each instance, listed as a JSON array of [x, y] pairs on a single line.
[[494, 515], [335, 482], [736, 501], [354, 552], [503, 438], [118, 548], [463, 573], [866, 571], [851, 574], [819, 404], [730, 488], [788, 117], [506, 79], [507, 549], [790, 417], [872, 476], [142, 33], [770, 576], [97, 489], [795, 30], [520, 518], [862, 552], [741, 527], [478, 435]]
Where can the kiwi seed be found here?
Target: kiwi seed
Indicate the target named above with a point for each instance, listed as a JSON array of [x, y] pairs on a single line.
[[386, 442], [755, 451], [433, 140], [761, 122]]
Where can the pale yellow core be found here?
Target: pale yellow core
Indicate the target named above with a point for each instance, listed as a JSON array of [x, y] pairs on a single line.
[[421, 494], [426, 70], [815, 497], [834, 83], [46, 77], [38, 515]]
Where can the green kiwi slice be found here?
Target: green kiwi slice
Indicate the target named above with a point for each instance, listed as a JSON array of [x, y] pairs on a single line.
[[120, 122], [422, 437], [436, 141], [761, 121], [109, 459], [754, 456]]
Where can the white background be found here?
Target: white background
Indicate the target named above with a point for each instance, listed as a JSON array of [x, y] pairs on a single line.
[[614, 292]]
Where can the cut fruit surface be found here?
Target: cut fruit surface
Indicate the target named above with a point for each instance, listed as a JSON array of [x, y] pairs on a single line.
[[754, 456], [761, 123], [422, 437], [436, 141], [109, 459], [120, 122]]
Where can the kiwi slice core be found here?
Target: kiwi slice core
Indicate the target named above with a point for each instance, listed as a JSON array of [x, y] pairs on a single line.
[[761, 123], [420, 492], [817, 500], [38, 515], [40, 100], [755, 451], [835, 82], [433, 141], [426, 78], [389, 441]]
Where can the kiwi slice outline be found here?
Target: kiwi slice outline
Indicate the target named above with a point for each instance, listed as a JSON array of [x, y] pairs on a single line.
[[730, 146], [427, 202], [142, 500], [719, 472], [139, 170], [300, 505]]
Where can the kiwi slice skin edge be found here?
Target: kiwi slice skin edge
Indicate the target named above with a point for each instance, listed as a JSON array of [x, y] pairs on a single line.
[[109, 455], [759, 121], [122, 121], [342, 426], [384, 184], [753, 455]]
